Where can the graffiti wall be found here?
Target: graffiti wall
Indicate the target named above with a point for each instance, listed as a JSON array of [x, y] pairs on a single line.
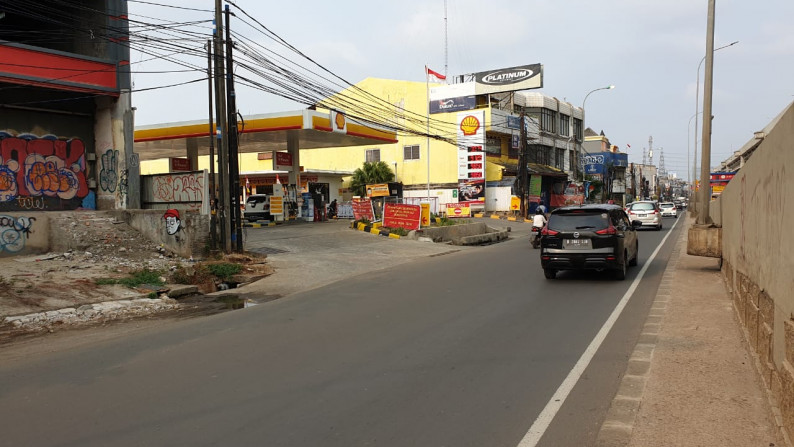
[[42, 173], [23, 233], [184, 190]]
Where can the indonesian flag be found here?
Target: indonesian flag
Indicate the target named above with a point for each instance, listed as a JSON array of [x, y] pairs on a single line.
[[435, 74]]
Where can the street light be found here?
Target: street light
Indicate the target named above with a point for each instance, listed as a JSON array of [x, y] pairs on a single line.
[[584, 123], [688, 126], [697, 107]]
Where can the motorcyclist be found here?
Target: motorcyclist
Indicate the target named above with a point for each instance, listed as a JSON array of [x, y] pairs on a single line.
[[538, 222], [332, 209]]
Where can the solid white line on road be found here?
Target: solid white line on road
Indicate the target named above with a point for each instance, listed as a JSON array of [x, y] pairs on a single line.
[[545, 417]]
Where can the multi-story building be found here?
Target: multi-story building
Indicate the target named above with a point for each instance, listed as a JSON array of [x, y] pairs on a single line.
[[604, 163], [65, 114]]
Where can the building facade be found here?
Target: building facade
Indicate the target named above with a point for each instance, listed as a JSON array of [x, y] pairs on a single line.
[[65, 114]]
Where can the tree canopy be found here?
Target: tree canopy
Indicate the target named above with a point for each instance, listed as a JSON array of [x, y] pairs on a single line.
[[369, 173]]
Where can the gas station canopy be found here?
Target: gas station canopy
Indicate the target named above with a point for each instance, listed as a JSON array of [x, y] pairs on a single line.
[[262, 133]]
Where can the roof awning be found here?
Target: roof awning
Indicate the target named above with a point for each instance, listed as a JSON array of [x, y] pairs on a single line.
[[262, 133], [533, 169]]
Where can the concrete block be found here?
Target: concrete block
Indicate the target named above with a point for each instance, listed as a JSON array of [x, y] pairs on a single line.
[[767, 306], [179, 290], [704, 240], [632, 386], [764, 349], [753, 291], [786, 400], [614, 435], [752, 324], [623, 410], [788, 327]]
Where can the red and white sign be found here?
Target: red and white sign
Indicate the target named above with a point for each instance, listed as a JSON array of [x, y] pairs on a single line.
[[458, 210], [282, 161], [180, 164], [401, 215], [362, 209]]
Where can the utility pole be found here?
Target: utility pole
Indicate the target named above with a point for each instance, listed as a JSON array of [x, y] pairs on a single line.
[[522, 166], [222, 132], [213, 196], [705, 159], [234, 168]]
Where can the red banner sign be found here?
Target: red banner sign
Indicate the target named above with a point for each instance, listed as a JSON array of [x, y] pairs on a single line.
[[180, 164], [362, 209], [283, 161], [399, 215]]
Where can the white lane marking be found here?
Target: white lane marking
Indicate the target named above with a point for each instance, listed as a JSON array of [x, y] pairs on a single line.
[[541, 424]]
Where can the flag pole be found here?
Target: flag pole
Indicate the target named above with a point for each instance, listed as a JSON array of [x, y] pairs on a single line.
[[427, 85]]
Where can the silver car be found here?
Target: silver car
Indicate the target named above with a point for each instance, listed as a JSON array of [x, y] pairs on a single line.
[[646, 212], [668, 209]]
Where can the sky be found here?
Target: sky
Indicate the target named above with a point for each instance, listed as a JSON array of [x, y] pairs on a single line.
[[648, 49]]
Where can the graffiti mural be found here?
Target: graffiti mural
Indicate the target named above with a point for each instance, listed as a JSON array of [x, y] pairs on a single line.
[[14, 232], [179, 188], [172, 221], [41, 173], [108, 176]]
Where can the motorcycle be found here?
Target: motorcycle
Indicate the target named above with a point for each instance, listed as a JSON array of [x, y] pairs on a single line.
[[534, 237]]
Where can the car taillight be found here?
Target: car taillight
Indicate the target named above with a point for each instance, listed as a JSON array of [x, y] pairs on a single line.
[[609, 230], [547, 232], [652, 212]]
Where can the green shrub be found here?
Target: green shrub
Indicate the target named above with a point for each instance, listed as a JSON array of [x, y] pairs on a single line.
[[136, 278], [225, 270], [400, 231]]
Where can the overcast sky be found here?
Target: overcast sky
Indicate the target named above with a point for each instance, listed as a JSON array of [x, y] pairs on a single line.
[[649, 49]]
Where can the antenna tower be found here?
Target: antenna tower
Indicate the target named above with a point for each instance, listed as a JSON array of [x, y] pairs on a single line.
[[661, 161], [650, 150]]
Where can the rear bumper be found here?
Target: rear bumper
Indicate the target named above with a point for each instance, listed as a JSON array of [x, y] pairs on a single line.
[[558, 261]]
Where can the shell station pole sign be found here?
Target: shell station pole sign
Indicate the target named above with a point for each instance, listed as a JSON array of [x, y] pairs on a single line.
[[471, 157]]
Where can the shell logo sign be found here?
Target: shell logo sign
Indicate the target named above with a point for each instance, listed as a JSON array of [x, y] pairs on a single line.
[[470, 125], [340, 121]]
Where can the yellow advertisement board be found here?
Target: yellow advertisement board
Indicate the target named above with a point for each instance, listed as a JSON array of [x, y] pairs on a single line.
[[515, 203], [276, 205], [425, 214]]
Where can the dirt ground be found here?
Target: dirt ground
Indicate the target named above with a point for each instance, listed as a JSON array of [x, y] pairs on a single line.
[[96, 247]]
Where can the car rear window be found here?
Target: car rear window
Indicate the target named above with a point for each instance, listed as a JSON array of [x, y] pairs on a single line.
[[667, 205], [578, 221], [641, 206]]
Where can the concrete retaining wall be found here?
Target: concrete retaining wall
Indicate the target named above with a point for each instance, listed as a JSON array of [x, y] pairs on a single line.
[[190, 238], [756, 210], [466, 234], [24, 233]]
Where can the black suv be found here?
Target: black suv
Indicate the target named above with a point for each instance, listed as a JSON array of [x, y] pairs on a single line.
[[597, 237]]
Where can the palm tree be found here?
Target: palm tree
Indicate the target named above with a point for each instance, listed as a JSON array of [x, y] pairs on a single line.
[[369, 173]]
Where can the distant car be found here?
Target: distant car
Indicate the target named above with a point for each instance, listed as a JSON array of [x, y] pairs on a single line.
[[646, 212], [668, 209], [592, 237], [257, 207]]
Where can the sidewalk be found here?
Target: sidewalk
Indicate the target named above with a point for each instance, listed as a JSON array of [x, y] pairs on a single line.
[[691, 380]]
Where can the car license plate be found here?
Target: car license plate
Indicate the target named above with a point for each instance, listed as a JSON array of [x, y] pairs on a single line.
[[640, 215], [576, 243]]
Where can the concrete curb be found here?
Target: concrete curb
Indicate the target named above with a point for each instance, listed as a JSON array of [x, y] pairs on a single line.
[[617, 428], [374, 229]]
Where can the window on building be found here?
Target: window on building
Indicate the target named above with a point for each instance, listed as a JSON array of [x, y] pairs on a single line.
[[411, 152], [559, 158], [548, 120], [577, 129], [565, 125], [373, 155]]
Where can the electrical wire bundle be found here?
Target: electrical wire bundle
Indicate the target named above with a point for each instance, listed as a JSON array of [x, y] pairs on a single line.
[[183, 43]]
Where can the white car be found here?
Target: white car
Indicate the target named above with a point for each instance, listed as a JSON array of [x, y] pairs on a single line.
[[668, 209]]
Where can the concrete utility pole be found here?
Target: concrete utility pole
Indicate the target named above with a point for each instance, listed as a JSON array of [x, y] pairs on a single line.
[[522, 168], [222, 133], [233, 138], [705, 159]]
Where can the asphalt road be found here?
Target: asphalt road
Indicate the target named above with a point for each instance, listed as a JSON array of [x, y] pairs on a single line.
[[463, 349]]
